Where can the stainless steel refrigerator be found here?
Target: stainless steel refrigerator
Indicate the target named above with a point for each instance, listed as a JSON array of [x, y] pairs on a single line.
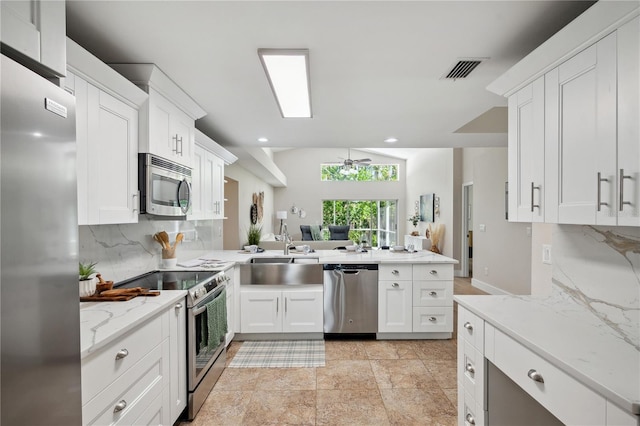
[[40, 320]]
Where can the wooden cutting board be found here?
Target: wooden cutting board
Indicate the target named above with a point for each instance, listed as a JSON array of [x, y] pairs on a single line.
[[119, 295]]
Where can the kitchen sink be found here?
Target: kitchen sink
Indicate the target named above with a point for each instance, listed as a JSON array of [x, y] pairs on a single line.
[[281, 271]]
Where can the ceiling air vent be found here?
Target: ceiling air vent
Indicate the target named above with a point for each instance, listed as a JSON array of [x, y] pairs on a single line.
[[463, 68]]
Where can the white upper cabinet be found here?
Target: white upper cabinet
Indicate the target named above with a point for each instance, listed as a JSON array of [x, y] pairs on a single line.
[[584, 83], [170, 132], [526, 153], [629, 124], [583, 134], [107, 140], [207, 182], [167, 121], [36, 29]]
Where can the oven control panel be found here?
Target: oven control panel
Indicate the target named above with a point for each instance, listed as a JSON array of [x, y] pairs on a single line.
[[202, 290]]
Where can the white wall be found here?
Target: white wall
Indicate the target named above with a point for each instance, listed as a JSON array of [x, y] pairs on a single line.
[[503, 249], [247, 185], [432, 171], [306, 190]]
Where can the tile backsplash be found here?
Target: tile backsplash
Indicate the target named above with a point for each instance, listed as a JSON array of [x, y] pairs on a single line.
[[599, 268], [125, 251]]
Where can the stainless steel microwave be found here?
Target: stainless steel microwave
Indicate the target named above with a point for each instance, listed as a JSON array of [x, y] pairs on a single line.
[[165, 186]]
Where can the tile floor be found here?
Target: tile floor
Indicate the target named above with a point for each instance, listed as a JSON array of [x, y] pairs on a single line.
[[398, 382]]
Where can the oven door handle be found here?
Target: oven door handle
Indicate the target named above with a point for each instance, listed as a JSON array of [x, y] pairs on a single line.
[[198, 311]]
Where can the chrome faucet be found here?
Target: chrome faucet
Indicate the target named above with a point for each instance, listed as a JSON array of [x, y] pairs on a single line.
[[285, 238]]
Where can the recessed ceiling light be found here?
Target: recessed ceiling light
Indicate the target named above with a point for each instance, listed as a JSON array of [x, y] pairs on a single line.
[[391, 140], [263, 140], [288, 74]]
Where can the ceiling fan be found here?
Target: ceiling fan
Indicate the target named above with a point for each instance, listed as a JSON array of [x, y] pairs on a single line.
[[350, 166]]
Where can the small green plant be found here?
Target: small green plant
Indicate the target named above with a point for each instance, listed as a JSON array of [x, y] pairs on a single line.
[[253, 234], [86, 269]]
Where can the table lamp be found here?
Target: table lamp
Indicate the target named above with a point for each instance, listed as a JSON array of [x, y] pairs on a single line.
[[282, 215]]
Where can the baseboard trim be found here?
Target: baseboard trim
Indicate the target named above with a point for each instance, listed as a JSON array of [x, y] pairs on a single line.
[[488, 287]]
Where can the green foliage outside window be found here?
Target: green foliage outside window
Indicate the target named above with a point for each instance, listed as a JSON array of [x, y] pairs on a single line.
[[368, 219], [369, 173]]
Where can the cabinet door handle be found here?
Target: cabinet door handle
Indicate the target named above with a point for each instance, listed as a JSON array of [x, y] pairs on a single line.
[[277, 305], [175, 149], [395, 272], [433, 293], [468, 326], [600, 180], [533, 187], [136, 203], [395, 285], [469, 418], [535, 376], [433, 272], [122, 353], [470, 369], [622, 178], [285, 305], [121, 405], [178, 306], [433, 319]]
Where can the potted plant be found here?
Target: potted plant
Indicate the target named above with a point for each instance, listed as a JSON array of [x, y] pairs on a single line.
[[87, 278], [254, 233]]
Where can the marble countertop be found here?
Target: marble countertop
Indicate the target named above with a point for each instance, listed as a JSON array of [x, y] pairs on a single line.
[[570, 337], [328, 256], [103, 322]]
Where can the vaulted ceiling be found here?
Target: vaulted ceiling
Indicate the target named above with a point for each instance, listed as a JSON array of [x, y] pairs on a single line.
[[376, 67]]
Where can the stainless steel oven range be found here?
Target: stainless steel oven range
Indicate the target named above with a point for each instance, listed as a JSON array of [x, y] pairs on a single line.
[[206, 326]]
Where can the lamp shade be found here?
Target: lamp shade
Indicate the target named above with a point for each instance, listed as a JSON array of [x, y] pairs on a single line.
[[281, 214]]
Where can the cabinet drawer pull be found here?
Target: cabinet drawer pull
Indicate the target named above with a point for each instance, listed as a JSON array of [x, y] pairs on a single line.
[[395, 272], [535, 376], [395, 285], [433, 293], [433, 272], [122, 353], [470, 369], [469, 418], [121, 405], [468, 326], [622, 178], [600, 180], [433, 319]]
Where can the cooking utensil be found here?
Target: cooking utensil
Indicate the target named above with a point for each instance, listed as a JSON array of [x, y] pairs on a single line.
[[157, 237], [179, 238], [165, 238]]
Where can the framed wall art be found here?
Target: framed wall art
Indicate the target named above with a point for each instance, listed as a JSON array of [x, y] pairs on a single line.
[[426, 207]]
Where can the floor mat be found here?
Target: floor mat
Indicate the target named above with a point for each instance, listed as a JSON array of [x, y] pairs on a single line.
[[280, 353]]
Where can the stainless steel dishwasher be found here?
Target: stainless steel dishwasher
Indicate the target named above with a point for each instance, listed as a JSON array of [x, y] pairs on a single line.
[[350, 298]]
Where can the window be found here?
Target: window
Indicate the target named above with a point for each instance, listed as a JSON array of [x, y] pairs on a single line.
[[368, 173], [373, 221]]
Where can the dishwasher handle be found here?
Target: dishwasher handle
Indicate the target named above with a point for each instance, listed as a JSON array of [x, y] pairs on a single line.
[[351, 272]]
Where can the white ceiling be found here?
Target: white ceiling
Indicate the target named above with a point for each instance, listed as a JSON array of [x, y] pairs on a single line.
[[376, 67]]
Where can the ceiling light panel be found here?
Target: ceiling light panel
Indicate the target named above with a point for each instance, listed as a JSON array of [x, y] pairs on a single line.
[[288, 74]]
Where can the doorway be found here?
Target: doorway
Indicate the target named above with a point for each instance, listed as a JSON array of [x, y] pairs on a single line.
[[467, 230], [230, 233]]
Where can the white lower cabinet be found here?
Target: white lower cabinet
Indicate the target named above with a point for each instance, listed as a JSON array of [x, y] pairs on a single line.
[[298, 309], [415, 298], [394, 307], [231, 307], [570, 401], [140, 378], [471, 369]]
